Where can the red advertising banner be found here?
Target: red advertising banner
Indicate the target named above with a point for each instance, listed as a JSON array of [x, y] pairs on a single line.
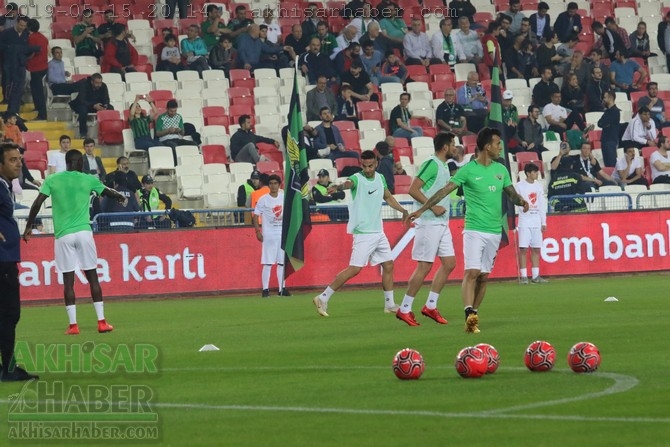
[[227, 260]]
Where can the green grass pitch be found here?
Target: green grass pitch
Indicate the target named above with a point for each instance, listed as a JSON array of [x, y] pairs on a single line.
[[286, 377]]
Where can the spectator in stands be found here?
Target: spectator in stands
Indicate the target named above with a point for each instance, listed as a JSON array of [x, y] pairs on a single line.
[[572, 95], [450, 116], [318, 98], [57, 76], [547, 56], [10, 17], [92, 163], [297, 40], [360, 83], [544, 89], [329, 137], [124, 177], [622, 73], [629, 169], [37, 65], [353, 9], [560, 119], [457, 161], [223, 56], [120, 56], [328, 40], [416, 46], [158, 49], [596, 61], [398, 169], [243, 143], [56, 159], [514, 59], [399, 121], [659, 162], [311, 23], [363, 22], [238, 25], [529, 60], [93, 97], [491, 46], [586, 165], [320, 194], [15, 48], [150, 199], [346, 109], [515, 15], [505, 37], [579, 68], [140, 122], [385, 164], [442, 43], [274, 30], [610, 41], [173, 5], [472, 97], [654, 104], [394, 27], [641, 131], [467, 44], [344, 58], [280, 59], [194, 49], [566, 51], [613, 27], [380, 42], [566, 182], [530, 133], [527, 33], [372, 62], [315, 63], [393, 67], [110, 205], [170, 129], [170, 57], [214, 27], [510, 119], [609, 123], [663, 38], [245, 190], [85, 36], [105, 30], [462, 8], [639, 42], [568, 22], [11, 131], [344, 40], [540, 23]]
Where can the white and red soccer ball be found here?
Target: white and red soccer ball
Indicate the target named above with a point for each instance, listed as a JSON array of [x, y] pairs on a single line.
[[584, 357], [471, 362], [492, 357], [540, 356], [408, 364]]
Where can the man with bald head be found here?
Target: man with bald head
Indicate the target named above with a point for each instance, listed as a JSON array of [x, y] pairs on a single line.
[[253, 53], [315, 63], [297, 40], [345, 39]]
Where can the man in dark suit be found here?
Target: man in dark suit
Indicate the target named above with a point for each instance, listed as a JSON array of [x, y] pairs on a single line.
[[541, 21], [328, 138], [93, 97], [612, 42], [568, 22], [661, 39], [92, 163]]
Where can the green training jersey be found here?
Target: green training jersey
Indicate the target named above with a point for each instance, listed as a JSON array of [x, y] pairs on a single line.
[[482, 187], [70, 193], [434, 174], [365, 209]]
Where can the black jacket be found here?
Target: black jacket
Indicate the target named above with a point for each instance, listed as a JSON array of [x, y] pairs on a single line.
[[89, 97], [87, 168], [242, 138], [594, 95], [660, 36], [385, 168], [609, 123], [546, 32]]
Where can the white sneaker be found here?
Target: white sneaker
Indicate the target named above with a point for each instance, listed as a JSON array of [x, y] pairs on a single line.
[[391, 310], [539, 280], [321, 307]]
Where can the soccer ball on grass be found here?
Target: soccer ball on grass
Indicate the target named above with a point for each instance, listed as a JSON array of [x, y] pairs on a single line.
[[540, 356], [492, 357], [471, 362], [584, 357], [408, 364]]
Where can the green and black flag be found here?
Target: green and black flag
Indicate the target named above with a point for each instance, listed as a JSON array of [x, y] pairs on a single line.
[[495, 121], [296, 225]]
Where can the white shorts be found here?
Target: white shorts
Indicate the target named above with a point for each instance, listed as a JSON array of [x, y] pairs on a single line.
[[76, 250], [480, 250], [373, 248], [272, 252], [529, 237], [431, 241]]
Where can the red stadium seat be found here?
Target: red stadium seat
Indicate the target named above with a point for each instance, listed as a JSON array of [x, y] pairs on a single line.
[[341, 163], [351, 139], [344, 125], [38, 147], [214, 153], [33, 136], [161, 95], [110, 127], [403, 152], [267, 166], [402, 183]]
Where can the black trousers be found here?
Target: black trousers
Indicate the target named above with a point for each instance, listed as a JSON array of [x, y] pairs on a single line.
[[10, 310], [37, 91], [172, 4], [572, 119]]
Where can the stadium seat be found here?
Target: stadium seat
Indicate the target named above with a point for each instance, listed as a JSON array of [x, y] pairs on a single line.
[[36, 147], [402, 183], [267, 166], [342, 163], [214, 153], [110, 127]]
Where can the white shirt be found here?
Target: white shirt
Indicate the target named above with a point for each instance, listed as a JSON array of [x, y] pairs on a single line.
[[342, 43], [467, 45], [92, 164], [533, 193], [274, 31], [358, 23], [637, 131], [57, 160], [622, 164], [656, 156], [554, 111], [271, 210], [416, 46]]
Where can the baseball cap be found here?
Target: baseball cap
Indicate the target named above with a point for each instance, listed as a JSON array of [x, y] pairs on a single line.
[[147, 179], [255, 175], [508, 94], [323, 173]]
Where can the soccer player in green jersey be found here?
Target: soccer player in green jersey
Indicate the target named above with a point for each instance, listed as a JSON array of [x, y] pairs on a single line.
[[432, 235], [483, 180], [369, 191], [74, 246]]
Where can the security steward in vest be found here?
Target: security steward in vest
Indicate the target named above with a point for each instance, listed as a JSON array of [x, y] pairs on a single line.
[[320, 195], [150, 198], [244, 195]]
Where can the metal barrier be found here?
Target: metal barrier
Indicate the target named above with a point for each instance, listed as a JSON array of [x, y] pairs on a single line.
[[652, 200], [591, 202]]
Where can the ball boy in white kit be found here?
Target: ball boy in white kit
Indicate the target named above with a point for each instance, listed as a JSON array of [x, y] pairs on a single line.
[[531, 224]]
